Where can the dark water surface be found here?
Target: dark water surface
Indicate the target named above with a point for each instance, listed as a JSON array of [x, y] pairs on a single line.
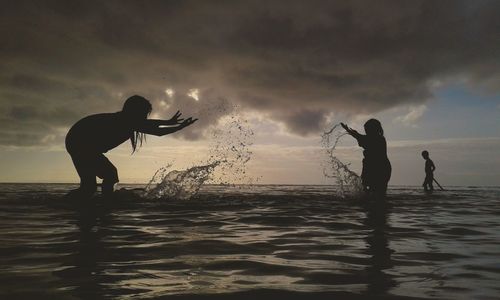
[[267, 241]]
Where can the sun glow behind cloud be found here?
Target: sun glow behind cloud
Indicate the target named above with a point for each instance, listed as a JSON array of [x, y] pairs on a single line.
[[170, 92], [414, 114], [194, 93]]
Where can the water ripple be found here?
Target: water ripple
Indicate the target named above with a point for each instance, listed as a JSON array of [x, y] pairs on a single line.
[[295, 241]]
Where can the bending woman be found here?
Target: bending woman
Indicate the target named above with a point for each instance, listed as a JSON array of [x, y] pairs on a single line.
[[376, 165], [96, 134]]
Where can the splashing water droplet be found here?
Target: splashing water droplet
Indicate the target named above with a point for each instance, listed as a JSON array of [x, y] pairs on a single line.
[[349, 183], [179, 184], [227, 162]]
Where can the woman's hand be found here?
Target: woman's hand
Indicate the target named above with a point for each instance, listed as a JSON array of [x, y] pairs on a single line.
[[158, 127], [187, 122], [345, 127], [349, 130], [175, 119]]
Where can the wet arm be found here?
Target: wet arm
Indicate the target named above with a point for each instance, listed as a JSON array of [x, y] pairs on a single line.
[[175, 120], [360, 138], [352, 132], [356, 135], [157, 123], [160, 131], [155, 128]]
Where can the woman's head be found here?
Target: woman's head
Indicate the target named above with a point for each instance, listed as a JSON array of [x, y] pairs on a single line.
[[373, 127], [136, 109]]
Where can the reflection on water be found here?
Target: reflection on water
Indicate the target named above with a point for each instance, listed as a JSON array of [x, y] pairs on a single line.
[[82, 270], [267, 241], [377, 211]]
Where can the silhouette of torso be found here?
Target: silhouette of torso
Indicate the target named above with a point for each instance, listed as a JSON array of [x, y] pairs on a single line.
[[98, 133], [375, 148], [428, 166], [376, 164]]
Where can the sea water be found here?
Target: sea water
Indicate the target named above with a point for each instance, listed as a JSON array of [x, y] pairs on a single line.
[[250, 241], [179, 236]]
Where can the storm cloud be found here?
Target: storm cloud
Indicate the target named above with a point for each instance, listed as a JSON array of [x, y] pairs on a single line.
[[293, 61]]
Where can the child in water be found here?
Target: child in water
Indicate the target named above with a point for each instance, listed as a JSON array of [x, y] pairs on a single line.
[[96, 134], [429, 172], [376, 165]]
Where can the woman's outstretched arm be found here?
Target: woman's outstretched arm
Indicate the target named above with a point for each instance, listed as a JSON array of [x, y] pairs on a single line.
[[154, 127], [172, 121], [351, 131]]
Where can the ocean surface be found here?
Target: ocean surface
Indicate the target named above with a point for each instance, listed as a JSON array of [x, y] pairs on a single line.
[[292, 242]]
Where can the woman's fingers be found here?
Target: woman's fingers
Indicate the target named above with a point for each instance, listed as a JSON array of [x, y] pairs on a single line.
[[188, 121]]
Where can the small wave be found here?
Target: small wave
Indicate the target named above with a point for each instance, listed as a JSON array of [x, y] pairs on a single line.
[[460, 231]]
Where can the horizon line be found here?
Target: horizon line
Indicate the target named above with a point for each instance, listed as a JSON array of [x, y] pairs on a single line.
[[243, 184]]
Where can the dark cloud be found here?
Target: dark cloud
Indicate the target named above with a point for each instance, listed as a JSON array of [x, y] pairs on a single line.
[[296, 61], [304, 121]]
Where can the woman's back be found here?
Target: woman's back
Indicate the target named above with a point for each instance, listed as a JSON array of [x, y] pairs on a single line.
[[98, 133]]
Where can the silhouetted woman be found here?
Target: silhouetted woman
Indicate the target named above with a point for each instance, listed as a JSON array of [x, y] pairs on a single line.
[[376, 166], [96, 134]]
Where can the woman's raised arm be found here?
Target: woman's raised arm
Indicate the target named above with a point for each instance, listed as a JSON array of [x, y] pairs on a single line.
[[351, 131]]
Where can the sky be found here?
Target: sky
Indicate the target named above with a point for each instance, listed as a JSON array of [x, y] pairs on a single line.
[[428, 70]]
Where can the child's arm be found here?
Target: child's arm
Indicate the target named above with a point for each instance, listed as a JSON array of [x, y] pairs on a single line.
[[153, 127], [433, 167]]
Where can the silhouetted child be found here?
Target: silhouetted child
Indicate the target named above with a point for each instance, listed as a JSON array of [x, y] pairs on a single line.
[[376, 165], [429, 172], [96, 134]]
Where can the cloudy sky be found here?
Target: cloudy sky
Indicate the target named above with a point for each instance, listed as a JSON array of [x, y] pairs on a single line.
[[428, 70]]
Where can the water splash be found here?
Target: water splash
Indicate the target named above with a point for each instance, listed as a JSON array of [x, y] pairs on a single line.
[[229, 154], [230, 148], [178, 184], [348, 181]]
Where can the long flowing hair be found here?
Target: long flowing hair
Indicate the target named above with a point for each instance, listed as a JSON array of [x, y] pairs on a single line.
[[136, 108], [137, 137]]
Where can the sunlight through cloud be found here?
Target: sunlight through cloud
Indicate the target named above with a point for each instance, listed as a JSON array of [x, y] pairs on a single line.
[[414, 114], [170, 92], [194, 93], [164, 104]]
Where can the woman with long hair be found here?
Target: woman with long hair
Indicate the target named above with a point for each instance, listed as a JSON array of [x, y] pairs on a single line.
[[94, 135], [376, 165]]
